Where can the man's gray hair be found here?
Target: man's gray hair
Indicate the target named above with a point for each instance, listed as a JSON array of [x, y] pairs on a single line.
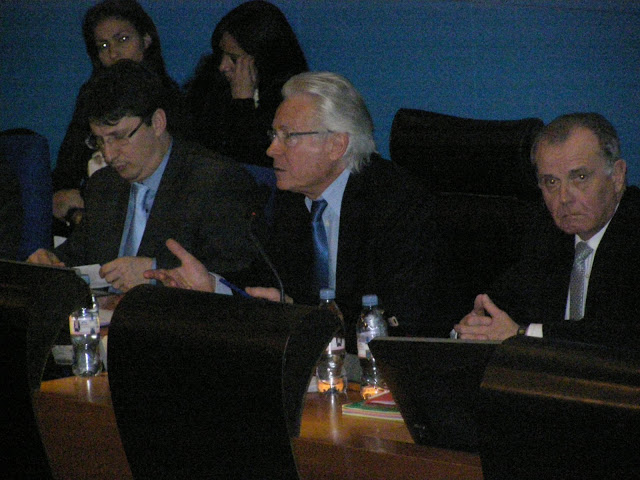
[[339, 108], [558, 131]]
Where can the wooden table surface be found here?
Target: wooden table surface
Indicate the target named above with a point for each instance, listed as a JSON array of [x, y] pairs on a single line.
[[80, 433]]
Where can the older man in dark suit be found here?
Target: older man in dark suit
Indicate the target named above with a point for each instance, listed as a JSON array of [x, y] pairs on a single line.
[[580, 279], [156, 187], [376, 227]]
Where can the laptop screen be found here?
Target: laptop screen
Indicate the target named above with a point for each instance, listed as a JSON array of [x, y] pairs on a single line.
[[435, 382]]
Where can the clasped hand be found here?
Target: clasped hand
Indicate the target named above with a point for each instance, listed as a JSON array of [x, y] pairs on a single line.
[[486, 322]]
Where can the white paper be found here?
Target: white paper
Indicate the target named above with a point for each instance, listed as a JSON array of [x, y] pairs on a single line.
[[94, 277]]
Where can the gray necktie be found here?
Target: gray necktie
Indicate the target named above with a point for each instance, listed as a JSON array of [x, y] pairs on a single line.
[[576, 287]]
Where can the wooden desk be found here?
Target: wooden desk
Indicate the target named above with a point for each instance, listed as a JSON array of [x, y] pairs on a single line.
[[80, 434]]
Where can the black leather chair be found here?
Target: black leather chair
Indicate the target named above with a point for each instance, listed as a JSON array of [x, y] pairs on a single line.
[[484, 193], [28, 154], [211, 386], [35, 303], [560, 410], [464, 155]]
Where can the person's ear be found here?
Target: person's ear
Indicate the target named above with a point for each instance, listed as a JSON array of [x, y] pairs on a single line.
[[147, 41], [159, 121], [339, 144], [619, 175]]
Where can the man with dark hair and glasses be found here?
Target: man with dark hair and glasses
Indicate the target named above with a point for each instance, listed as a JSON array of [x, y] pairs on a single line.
[[156, 187]]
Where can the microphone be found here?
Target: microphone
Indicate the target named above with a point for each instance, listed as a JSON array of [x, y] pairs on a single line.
[[264, 255]]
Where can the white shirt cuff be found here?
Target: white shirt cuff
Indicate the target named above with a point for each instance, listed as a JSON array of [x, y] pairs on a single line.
[[220, 287], [534, 330]]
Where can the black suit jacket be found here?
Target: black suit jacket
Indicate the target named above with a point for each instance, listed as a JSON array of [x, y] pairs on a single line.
[[535, 289], [203, 202], [386, 246]]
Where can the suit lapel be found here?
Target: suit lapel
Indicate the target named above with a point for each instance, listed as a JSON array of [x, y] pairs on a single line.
[[164, 203], [352, 237]]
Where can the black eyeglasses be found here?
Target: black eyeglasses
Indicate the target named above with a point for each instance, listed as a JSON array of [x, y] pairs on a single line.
[[118, 140], [290, 138]]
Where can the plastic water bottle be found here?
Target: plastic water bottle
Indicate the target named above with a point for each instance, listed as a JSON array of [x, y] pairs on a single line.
[[84, 327], [371, 324], [331, 376]]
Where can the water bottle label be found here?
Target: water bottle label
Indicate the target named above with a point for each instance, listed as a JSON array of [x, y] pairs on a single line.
[[336, 346], [363, 344], [85, 323]]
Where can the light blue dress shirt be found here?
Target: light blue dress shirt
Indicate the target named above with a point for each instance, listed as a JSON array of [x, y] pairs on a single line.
[[153, 182]]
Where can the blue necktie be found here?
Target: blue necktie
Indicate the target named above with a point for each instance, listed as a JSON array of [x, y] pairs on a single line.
[[320, 245], [138, 220]]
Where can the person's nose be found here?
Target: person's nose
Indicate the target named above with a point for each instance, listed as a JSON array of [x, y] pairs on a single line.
[[226, 65], [276, 148], [109, 152], [114, 52], [566, 192]]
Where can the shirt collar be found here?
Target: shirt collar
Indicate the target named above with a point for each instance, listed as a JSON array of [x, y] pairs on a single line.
[[334, 192], [594, 241], [153, 180]]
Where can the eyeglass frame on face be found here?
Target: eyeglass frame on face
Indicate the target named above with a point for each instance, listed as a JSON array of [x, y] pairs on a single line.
[[98, 143], [290, 138]]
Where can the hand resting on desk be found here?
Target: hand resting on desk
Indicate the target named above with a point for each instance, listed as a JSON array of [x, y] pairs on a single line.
[[486, 322], [124, 273], [45, 257]]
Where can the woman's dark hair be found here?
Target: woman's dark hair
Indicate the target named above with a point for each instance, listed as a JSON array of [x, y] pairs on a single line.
[[132, 12], [263, 31], [223, 124]]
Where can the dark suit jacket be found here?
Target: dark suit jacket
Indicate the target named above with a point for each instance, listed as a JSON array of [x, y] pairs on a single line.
[[203, 202], [535, 289], [385, 247]]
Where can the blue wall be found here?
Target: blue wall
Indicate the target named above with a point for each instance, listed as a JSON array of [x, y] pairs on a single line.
[[484, 59]]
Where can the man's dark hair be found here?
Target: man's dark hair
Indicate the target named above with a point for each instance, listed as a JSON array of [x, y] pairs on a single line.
[[126, 89]]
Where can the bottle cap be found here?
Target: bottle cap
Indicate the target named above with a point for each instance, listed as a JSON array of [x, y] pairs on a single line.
[[327, 294], [369, 300]]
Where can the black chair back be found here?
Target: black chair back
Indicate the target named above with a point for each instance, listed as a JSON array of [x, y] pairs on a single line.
[[482, 236], [35, 303], [455, 154], [560, 410], [211, 386]]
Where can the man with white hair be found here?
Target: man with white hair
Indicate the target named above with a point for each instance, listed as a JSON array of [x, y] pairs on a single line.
[[375, 227]]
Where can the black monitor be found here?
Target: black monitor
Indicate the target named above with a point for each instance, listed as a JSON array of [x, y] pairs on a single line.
[[555, 409], [435, 383], [35, 302], [211, 386]]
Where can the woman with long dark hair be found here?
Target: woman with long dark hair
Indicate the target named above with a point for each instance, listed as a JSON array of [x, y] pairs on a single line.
[[113, 30], [234, 93]]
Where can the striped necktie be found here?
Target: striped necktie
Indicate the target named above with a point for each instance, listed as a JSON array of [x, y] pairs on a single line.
[[138, 220], [576, 286]]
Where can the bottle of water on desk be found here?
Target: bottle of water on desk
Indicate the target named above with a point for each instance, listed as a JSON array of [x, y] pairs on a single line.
[[84, 327], [371, 324], [331, 375]]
